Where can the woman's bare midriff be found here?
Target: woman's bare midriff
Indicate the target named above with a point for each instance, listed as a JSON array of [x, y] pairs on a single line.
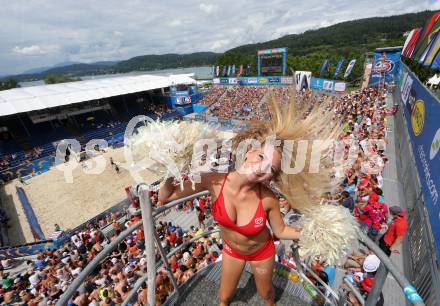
[[245, 244]]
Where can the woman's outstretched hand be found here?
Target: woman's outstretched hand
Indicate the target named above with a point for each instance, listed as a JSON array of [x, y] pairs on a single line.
[[295, 232]]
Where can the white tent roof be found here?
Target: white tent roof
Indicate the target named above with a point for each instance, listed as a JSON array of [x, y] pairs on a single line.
[[27, 99], [435, 80]]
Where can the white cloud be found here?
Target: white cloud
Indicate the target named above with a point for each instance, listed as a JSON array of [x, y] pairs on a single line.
[[31, 50], [175, 23], [220, 44], [207, 8]]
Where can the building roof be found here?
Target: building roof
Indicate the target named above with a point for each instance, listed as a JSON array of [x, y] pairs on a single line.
[[27, 99]]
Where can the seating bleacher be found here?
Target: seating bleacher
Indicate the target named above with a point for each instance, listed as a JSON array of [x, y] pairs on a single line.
[[95, 125]]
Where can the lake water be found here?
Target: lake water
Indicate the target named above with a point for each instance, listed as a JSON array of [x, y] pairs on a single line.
[[200, 73]]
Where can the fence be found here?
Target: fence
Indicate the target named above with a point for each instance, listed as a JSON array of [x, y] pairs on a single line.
[[421, 263], [40, 246]]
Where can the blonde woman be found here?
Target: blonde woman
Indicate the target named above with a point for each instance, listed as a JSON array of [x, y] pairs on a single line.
[[244, 207]]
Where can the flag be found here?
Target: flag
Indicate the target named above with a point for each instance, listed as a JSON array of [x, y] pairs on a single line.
[[324, 66], [349, 68], [407, 41], [248, 69], [436, 61], [224, 71], [229, 70], [430, 52], [218, 71], [412, 43], [233, 69], [338, 67], [329, 66], [432, 26], [213, 70], [241, 70]]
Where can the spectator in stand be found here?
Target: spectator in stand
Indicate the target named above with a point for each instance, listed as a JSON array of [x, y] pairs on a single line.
[[200, 217], [347, 201], [396, 231]]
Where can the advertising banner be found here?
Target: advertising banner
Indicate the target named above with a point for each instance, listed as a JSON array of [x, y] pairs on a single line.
[[367, 72], [250, 80], [340, 86], [338, 67], [385, 66], [276, 80], [233, 81], [422, 113], [328, 85], [349, 68], [324, 66]]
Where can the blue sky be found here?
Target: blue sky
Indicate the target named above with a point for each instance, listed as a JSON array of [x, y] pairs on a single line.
[[38, 33]]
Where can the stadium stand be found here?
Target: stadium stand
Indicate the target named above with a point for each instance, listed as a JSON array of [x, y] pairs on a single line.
[[243, 102], [49, 274]]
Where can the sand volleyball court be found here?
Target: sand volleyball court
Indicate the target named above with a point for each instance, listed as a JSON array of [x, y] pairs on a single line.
[[55, 201]]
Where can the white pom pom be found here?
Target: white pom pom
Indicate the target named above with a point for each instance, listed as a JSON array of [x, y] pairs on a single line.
[[168, 146], [329, 232]]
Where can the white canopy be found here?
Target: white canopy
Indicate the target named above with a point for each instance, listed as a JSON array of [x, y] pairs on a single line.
[[435, 80], [27, 99]]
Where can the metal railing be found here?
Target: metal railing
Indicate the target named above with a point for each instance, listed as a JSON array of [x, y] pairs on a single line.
[[145, 200], [148, 218]]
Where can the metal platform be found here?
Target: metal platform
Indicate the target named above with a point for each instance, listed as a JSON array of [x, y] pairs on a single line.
[[202, 290]]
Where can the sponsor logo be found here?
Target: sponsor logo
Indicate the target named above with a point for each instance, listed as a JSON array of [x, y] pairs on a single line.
[[252, 80], [383, 65], [224, 81], [258, 221], [287, 80], [406, 89], [228, 248], [273, 80], [418, 117], [264, 80], [340, 86], [435, 145], [233, 81]]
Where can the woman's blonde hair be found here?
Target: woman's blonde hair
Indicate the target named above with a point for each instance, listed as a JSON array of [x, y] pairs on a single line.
[[301, 118]]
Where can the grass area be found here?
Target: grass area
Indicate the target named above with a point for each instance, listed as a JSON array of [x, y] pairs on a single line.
[[351, 87]]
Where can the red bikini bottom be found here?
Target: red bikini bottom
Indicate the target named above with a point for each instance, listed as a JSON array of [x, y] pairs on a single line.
[[266, 251]]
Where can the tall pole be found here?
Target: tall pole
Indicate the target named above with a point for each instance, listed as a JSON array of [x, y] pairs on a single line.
[[149, 230]]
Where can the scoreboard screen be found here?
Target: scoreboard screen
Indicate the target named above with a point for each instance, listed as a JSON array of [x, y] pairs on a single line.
[[271, 63]]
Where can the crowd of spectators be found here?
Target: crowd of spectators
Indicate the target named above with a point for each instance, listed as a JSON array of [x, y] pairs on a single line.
[[244, 102], [213, 95], [159, 110], [19, 158], [42, 280], [361, 155]]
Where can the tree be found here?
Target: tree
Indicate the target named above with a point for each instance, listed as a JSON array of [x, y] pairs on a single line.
[[8, 84], [55, 79]]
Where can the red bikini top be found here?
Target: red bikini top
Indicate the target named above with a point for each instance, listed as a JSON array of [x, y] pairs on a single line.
[[255, 226]]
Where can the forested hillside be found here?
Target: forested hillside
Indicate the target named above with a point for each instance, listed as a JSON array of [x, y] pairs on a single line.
[[347, 40]]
